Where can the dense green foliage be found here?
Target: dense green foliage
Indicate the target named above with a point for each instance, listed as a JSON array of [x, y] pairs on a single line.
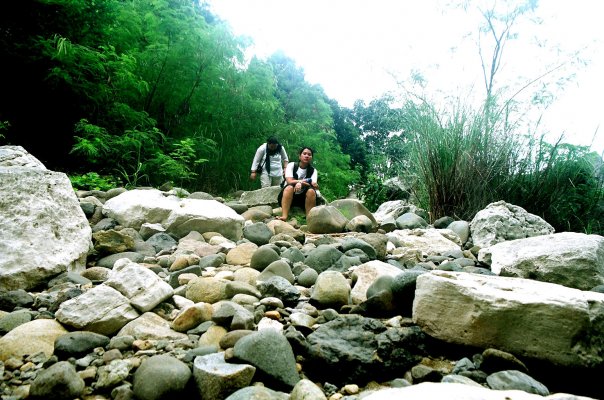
[[144, 92], [150, 92], [93, 181]]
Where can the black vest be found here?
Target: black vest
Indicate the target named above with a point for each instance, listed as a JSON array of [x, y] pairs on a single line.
[[309, 171]]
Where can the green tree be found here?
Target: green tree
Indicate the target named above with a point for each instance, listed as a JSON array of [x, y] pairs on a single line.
[[42, 111], [381, 125], [349, 137]]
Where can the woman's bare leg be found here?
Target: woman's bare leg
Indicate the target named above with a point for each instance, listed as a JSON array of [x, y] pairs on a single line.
[[311, 200], [286, 202]]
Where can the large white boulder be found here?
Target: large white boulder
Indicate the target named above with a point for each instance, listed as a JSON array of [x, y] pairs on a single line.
[[43, 230], [17, 156], [178, 216], [136, 207], [501, 221], [571, 259], [205, 216], [524, 317]]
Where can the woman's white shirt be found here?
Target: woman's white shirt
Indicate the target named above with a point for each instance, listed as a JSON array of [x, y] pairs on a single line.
[[289, 173]]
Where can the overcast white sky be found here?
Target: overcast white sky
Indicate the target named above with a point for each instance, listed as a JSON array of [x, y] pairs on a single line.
[[355, 48]]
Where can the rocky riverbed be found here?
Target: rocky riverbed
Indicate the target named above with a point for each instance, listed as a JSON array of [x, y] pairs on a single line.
[[153, 294]]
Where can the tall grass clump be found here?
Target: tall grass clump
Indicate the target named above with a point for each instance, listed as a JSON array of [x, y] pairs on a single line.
[[465, 161], [459, 164]]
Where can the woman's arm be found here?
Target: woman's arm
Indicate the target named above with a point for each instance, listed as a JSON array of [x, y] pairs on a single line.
[[289, 174]]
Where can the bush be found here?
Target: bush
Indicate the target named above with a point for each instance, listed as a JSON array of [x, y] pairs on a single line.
[[374, 192], [93, 181], [562, 184]]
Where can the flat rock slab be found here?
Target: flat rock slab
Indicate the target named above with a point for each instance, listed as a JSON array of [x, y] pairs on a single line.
[[524, 317]]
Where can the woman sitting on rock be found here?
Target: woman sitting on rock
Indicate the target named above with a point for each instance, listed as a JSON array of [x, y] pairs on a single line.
[[301, 187]]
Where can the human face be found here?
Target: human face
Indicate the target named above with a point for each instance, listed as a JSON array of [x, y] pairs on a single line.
[[306, 156], [272, 146]]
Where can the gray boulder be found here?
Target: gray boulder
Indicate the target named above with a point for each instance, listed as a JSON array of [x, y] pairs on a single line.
[[410, 221], [257, 233], [263, 256], [257, 393], [443, 222], [161, 377], [272, 355], [109, 261], [326, 219], [516, 380], [58, 382], [161, 241], [78, 344], [354, 243], [352, 208], [277, 268], [12, 320], [388, 212], [354, 349], [360, 223], [323, 257], [281, 288], [459, 391], [462, 229]]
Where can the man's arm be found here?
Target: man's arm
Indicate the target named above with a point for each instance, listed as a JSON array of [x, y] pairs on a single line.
[[256, 162]]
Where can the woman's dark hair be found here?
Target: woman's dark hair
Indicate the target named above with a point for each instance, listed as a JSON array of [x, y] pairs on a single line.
[[312, 152], [272, 140]]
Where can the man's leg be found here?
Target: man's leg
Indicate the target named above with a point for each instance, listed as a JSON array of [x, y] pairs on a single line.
[[286, 202], [276, 180], [311, 200], [265, 180]]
